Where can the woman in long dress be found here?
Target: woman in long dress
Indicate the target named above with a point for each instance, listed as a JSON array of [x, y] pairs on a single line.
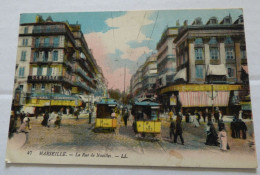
[[212, 136], [222, 135]]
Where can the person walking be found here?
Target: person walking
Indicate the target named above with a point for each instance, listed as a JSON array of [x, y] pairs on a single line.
[[57, 122], [222, 135], [45, 119], [243, 128], [27, 119], [212, 136], [170, 114], [172, 128], [178, 132], [89, 116], [125, 117], [22, 116], [204, 116]]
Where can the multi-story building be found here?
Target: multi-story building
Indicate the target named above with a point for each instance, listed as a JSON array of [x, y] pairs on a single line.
[[136, 83], [22, 62], [166, 59], [209, 61], [149, 75], [166, 62], [61, 66]]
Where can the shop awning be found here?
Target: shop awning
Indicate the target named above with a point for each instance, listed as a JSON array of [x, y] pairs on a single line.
[[217, 69], [204, 99], [245, 68], [182, 74]]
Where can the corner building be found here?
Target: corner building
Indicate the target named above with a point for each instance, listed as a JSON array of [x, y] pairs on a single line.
[[210, 59]]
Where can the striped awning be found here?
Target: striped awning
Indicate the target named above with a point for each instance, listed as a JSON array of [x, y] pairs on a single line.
[[203, 98]]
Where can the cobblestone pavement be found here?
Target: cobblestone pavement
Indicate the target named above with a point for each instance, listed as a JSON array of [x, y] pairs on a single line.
[[78, 135]]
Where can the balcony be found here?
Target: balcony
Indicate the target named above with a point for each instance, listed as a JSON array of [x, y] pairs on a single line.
[[84, 86], [46, 45], [46, 78]]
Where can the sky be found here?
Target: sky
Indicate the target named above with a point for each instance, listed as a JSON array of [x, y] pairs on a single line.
[[121, 41]]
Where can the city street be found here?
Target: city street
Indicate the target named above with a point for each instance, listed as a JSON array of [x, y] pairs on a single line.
[[77, 135]]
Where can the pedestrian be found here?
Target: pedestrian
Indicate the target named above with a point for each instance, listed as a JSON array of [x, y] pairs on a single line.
[[195, 122], [187, 117], [22, 116], [125, 117], [60, 113], [221, 117], [172, 128], [57, 122], [23, 127], [52, 117], [204, 116], [240, 115], [212, 136], [198, 116], [243, 128], [216, 116], [27, 119], [76, 114], [232, 126], [90, 116], [237, 128], [178, 132], [209, 116], [222, 135], [170, 114], [45, 119]]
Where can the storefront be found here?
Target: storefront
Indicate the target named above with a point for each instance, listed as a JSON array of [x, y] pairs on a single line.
[[193, 96]]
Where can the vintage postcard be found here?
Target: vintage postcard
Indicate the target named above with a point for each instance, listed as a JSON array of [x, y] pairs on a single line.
[[165, 88]]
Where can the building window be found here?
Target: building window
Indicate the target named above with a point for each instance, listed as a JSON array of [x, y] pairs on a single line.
[[198, 41], [49, 71], [46, 42], [39, 71], [56, 41], [213, 40], [33, 87], [21, 72], [55, 56], [25, 30], [229, 40], [37, 42], [48, 28], [243, 52], [229, 53], [45, 56], [43, 87], [23, 56], [21, 87], [199, 71], [35, 56], [231, 72], [25, 42], [214, 53], [199, 54]]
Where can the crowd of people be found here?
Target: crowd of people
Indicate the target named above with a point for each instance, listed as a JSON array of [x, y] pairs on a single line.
[[213, 138]]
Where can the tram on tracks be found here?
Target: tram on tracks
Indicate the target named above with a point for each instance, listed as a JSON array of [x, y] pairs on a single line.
[[105, 115], [146, 118]]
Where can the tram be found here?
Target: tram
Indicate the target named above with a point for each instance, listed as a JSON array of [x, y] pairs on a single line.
[[146, 118], [105, 115]]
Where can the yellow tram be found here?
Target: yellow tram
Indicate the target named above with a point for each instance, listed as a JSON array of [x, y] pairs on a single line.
[[105, 115], [146, 117]]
